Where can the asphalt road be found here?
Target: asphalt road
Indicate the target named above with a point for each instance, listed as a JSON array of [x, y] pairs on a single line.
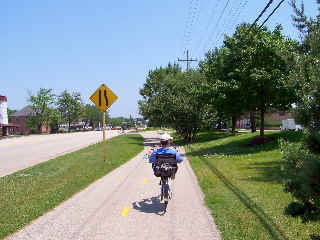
[[22, 152], [125, 205]]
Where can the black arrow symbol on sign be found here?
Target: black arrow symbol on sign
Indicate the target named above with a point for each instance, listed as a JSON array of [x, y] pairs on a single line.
[[106, 97]]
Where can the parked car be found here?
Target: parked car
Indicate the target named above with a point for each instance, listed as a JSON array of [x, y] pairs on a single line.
[[299, 127], [98, 129], [63, 129], [290, 124]]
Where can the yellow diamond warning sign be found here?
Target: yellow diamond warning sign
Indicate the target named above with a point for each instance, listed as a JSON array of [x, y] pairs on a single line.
[[103, 98]]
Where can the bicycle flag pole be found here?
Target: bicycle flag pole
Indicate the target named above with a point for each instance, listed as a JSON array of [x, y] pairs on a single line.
[[103, 98]]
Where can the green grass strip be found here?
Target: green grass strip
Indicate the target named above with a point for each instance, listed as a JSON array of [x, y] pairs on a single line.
[[242, 186], [28, 194]]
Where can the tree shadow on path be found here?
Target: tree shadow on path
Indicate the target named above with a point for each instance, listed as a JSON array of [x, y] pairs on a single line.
[[150, 205]]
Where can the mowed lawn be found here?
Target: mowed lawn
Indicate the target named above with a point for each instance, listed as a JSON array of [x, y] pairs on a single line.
[[28, 194], [242, 186]]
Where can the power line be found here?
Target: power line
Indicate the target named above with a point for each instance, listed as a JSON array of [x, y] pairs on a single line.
[[236, 17], [274, 10], [191, 23], [260, 15], [236, 13], [192, 16], [210, 20], [217, 23], [260, 27], [195, 20], [189, 14], [224, 24], [227, 24], [212, 15]]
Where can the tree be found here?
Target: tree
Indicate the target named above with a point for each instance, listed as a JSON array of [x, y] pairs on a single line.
[[254, 72], [55, 119], [131, 121], [175, 99], [188, 110], [10, 112], [117, 121], [70, 106], [40, 104], [92, 115], [153, 104], [226, 95], [306, 75], [301, 163]]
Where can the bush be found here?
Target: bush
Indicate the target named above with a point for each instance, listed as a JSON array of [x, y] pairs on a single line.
[[301, 171], [312, 141], [295, 209]]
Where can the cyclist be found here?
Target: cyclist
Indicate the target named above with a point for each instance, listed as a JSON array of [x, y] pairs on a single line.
[[165, 149]]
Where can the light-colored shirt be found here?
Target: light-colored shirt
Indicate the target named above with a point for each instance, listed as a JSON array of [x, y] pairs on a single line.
[[165, 151]]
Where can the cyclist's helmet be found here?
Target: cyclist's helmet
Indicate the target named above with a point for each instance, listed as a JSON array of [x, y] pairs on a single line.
[[165, 138]]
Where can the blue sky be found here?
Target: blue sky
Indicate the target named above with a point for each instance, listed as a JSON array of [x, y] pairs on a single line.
[[77, 45]]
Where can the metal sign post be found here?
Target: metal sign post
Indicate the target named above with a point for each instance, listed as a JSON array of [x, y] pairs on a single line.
[[104, 135]]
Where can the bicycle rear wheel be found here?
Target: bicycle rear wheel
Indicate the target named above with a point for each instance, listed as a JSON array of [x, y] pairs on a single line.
[[165, 191], [165, 206]]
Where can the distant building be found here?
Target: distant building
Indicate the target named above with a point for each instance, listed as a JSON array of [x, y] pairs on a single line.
[[20, 118], [278, 116], [3, 110], [5, 126], [272, 120], [243, 123]]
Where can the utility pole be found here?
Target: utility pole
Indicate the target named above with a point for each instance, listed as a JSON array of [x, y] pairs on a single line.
[[187, 60]]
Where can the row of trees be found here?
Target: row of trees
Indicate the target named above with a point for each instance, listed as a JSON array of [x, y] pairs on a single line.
[[250, 77], [249, 72], [52, 110], [66, 108]]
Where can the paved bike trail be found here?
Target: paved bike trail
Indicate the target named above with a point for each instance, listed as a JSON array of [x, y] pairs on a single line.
[[125, 205]]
